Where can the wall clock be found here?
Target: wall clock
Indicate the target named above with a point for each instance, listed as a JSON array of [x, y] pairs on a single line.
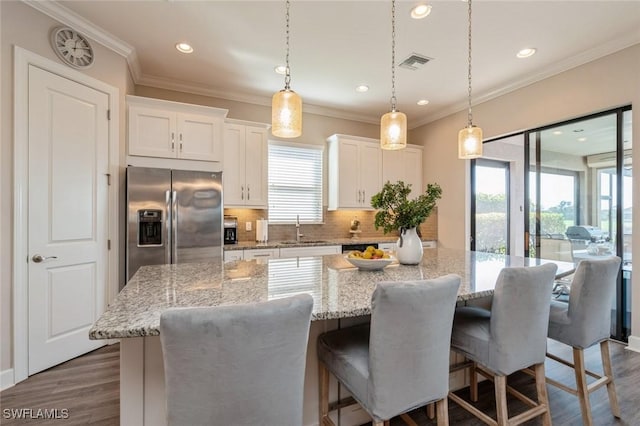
[[72, 47]]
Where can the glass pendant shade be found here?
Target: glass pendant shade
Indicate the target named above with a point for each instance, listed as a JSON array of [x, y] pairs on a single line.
[[286, 114], [393, 130], [470, 143]]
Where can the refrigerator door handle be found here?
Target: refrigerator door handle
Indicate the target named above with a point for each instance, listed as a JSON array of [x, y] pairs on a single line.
[[167, 228], [174, 227]]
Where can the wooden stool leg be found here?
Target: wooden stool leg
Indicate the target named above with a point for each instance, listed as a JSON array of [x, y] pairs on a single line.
[[581, 382], [323, 376], [541, 388], [443, 412], [473, 382], [431, 411], [502, 415], [608, 372]]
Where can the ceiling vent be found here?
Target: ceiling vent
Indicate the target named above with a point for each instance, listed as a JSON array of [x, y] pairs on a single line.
[[414, 62]]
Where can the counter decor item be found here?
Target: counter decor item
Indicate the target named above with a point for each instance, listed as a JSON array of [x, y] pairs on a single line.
[[397, 212], [354, 228], [262, 231], [372, 259]]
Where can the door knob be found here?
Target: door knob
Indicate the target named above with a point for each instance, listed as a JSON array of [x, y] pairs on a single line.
[[37, 258]]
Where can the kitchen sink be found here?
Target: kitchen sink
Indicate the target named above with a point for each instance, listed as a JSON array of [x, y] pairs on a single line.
[[303, 242]]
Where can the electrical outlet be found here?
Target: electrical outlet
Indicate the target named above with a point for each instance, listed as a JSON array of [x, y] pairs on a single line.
[[247, 226]]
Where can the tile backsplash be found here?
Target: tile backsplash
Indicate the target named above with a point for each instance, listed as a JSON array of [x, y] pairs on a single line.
[[336, 225]]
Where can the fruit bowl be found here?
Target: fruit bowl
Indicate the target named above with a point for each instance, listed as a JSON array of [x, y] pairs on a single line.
[[370, 264]]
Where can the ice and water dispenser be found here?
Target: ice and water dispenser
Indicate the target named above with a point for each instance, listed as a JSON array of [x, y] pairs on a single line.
[[149, 228]]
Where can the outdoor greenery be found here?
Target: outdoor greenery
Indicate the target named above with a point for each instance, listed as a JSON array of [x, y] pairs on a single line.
[[396, 211]]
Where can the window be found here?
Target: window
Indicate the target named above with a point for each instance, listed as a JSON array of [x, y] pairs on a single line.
[[295, 183]]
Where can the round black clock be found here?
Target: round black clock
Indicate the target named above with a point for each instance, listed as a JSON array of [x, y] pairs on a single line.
[[72, 47]]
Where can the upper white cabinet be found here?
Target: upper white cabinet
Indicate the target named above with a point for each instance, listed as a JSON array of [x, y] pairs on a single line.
[[245, 170], [405, 165], [355, 172], [167, 129]]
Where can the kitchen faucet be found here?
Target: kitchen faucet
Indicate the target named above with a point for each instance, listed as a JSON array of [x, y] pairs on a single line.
[[298, 234]]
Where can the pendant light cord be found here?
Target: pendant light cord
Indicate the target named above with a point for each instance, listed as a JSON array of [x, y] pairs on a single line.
[[393, 55], [287, 77], [469, 114]]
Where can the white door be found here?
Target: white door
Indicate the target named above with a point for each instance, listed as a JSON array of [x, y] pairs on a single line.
[[68, 202], [256, 173], [350, 194], [370, 172], [233, 165], [199, 137]]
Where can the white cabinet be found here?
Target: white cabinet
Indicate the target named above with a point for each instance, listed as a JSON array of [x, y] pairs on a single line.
[[261, 253], [167, 129], [245, 164], [232, 255], [355, 172], [309, 251], [405, 165], [387, 246]]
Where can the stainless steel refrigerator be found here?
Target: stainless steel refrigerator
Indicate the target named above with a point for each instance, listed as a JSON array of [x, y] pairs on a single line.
[[174, 216]]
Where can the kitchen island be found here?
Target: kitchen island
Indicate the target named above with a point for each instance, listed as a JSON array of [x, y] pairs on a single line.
[[342, 296]]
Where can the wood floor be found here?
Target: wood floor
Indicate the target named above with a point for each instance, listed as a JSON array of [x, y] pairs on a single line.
[[88, 387]]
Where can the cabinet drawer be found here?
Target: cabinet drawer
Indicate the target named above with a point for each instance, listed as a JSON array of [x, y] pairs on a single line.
[[309, 251], [261, 253], [232, 255]]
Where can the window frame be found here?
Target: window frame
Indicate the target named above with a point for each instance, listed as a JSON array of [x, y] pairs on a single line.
[[297, 145]]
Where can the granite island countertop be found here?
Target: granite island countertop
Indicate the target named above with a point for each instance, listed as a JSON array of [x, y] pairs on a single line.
[[309, 242], [339, 289]]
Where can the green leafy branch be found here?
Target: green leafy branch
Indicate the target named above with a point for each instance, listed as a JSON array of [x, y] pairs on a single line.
[[396, 211]]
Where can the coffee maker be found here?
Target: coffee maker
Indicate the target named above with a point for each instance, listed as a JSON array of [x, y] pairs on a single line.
[[230, 230]]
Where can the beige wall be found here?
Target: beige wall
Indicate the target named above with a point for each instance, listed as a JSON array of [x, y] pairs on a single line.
[[599, 85], [23, 26], [315, 128]]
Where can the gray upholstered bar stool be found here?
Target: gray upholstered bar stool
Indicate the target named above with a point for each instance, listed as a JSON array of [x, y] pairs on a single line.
[[509, 337], [236, 365], [401, 360], [583, 322]]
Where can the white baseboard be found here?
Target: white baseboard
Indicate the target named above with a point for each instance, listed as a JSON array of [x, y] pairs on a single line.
[[6, 379], [634, 343]]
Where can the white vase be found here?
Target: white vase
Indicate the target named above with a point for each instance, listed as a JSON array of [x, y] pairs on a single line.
[[409, 250]]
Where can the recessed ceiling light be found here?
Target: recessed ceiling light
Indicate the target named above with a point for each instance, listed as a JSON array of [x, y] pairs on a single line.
[[422, 102], [421, 11], [557, 132], [184, 47], [281, 69], [525, 53], [582, 139], [362, 88]]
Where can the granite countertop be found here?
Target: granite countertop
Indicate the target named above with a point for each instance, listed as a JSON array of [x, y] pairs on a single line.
[[339, 289], [244, 245]]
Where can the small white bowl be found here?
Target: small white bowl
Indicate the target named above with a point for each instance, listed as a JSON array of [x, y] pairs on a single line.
[[370, 264]]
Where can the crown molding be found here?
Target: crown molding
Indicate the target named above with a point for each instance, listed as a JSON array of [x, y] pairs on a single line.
[[203, 90], [68, 17], [575, 61]]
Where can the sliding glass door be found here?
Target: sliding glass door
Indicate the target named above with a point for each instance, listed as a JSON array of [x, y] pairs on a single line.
[[578, 182], [491, 206]]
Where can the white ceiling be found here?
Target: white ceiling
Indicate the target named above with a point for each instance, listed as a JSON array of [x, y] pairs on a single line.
[[337, 45]]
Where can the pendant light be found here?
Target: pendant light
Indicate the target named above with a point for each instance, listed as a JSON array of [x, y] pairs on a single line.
[[469, 138], [286, 105], [393, 125]]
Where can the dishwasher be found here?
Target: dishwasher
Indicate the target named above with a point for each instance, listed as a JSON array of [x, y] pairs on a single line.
[[358, 246]]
